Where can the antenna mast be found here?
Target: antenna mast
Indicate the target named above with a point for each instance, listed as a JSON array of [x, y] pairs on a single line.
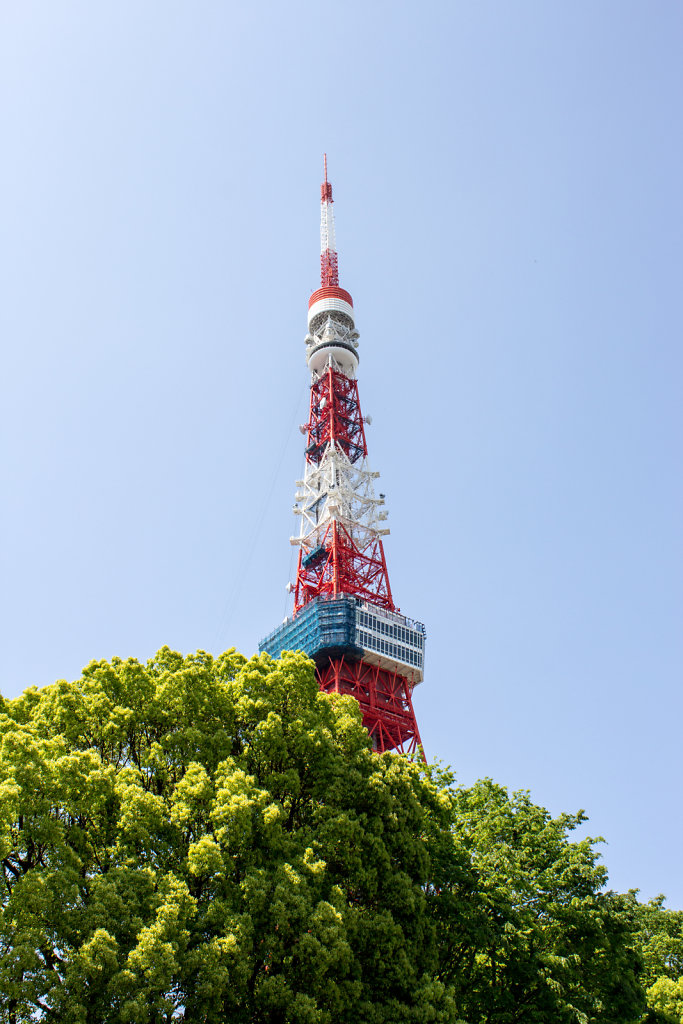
[[329, 265]]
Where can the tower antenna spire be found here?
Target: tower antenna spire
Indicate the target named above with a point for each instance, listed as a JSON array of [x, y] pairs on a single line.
[[329, 261]]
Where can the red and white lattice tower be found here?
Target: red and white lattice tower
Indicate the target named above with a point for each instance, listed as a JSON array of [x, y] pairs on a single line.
[[344, 614]]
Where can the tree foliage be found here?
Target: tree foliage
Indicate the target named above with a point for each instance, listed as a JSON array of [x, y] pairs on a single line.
[[550, 945], [665, 998], [213, 840], [660, 941]]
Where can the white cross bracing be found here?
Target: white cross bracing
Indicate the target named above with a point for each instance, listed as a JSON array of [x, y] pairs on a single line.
[[337, 489]]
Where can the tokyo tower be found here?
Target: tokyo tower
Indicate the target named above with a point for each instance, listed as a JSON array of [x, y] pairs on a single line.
[[344, 614]]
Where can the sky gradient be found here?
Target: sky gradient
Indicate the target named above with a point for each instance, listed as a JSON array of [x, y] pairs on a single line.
[[509, 213]]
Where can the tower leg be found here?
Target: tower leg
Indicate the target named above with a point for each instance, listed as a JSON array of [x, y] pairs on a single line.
[[385, 700]]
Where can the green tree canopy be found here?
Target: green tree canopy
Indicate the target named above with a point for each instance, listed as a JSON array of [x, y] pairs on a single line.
[[213, 840], [660, 939], [550, 945], [660, 942], [665, 998]]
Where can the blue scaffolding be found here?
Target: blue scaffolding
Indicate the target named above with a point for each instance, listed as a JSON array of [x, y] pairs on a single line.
[[323, 626]]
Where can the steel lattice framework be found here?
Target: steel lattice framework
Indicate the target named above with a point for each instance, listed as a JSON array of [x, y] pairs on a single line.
[[341, 551], [335, 416], [340, 545], [385, 700]]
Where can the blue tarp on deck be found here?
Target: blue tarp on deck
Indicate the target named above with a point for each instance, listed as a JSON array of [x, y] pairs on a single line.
[[323, 625]]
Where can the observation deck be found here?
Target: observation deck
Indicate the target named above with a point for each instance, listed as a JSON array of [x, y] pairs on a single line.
[[346, 626]]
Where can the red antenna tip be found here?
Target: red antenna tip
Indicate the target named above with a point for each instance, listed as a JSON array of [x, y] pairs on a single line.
[[325, 162]]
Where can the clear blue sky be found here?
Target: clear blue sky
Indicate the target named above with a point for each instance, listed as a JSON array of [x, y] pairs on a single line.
[[508, 195]]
